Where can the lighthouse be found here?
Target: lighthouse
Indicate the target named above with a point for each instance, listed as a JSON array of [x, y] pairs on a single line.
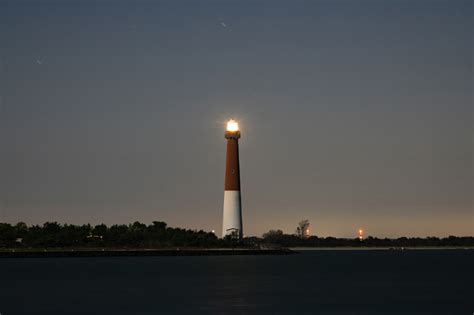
[[232, 218]]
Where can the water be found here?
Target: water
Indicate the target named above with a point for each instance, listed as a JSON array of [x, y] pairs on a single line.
[[316, 282]]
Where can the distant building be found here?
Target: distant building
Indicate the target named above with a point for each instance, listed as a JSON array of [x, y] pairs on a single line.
[[93, 236]]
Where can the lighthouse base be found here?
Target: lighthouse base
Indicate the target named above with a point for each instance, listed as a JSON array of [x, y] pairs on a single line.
[[232, 222]]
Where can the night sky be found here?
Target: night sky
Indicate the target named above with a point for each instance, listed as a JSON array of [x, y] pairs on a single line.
[[354, 114]]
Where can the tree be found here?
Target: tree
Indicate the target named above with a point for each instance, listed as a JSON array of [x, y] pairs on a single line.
[[7, 234], [273, 236], [100, 230], [21, 229], [302, 230]]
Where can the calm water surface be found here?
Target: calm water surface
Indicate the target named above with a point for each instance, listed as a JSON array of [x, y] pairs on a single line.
[[316, 282]]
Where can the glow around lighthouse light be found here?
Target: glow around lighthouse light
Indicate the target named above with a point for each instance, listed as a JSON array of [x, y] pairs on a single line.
[[232, 125]]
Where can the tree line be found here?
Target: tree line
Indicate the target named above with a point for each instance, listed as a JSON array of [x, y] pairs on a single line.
[[160, 235], [278, 238], [136, 235]]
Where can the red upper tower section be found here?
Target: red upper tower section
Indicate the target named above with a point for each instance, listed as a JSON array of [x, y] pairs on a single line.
[[232, 168]]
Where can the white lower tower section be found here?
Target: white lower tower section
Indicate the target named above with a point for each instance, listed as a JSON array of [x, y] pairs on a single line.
[[232, 213]]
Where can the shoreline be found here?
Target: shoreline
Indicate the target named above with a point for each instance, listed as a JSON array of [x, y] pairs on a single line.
[[173, 252], [380, 248], [139, 252]]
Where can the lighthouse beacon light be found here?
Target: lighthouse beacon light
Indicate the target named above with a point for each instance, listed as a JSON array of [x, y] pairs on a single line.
[[232, 125]]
